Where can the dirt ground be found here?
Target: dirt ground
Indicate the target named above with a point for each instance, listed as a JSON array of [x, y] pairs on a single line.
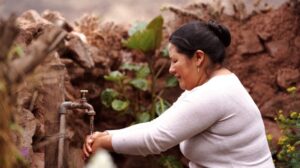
[[264, 54]]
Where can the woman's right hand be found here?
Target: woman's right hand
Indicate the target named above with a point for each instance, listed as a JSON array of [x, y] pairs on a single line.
[[90, 139]]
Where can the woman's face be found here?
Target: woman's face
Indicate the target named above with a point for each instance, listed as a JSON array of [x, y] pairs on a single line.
[[183, 68]]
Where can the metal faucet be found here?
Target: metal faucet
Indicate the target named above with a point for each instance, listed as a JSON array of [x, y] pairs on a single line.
[[82, 104]]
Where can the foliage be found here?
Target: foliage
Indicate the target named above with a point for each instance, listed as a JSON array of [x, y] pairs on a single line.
[[134, 84], [288, 153], [170, 162], [147, 40], [138, 78], [137, 27], [127, 91], [10, 156]]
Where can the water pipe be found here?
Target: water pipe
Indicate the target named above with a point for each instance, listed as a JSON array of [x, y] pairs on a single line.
[[82, 104]]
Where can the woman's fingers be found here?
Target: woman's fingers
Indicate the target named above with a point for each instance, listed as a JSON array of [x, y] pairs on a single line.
[[89, 143], [87, 146], [85, 151]]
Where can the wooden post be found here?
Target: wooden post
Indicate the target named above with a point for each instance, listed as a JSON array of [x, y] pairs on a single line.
[[53, 83]]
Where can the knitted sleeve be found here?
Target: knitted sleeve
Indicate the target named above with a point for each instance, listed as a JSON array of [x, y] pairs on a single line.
[[187, 117]]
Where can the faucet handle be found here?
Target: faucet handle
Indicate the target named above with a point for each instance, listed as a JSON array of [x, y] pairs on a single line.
[[83, 94]]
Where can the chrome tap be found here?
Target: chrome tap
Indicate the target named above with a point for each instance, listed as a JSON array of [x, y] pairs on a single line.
[[82, 104], [91, 113]]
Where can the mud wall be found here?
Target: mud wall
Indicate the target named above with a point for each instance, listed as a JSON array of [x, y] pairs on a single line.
[[265, 55]]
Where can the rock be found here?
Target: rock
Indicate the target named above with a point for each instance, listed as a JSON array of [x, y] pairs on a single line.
[[30, 19], [297, 41], [80, 35], [78, 51], [273, 129], [55, 17], [250, 43], [27, 122], [31, 25], [278, 49], [38, 160], [99, 59], [261, 92], [287, 76], [265, 36], [280, 101]]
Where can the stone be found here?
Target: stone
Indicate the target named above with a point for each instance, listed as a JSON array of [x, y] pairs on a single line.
[[26, 120], [297, 41], [38, 160], [265, 36], [278, 49], [287, 76], [78, 51], [250, 43], [28, 123], [54, 17], [30, 19]]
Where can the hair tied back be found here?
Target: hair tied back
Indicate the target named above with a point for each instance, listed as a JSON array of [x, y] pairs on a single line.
[[220, 31]]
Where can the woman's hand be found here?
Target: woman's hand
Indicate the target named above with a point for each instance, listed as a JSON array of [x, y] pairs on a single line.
[[92, 143]]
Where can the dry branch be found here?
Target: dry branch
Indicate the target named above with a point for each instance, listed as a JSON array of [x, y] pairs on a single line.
[[8, 33], [38, 50]]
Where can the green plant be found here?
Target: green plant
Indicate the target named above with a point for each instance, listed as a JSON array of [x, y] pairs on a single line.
[[170, 162], [131, 92], [134, 83], [289, 143], [11, 156], [288, 150]]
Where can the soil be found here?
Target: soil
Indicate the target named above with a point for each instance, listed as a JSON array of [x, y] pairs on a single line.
[[264, 54]]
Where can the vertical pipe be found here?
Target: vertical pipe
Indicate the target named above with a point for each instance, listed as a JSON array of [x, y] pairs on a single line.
[[62, 132], [62, 126]]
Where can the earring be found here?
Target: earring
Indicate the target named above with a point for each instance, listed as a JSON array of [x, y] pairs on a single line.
[[198, 69]]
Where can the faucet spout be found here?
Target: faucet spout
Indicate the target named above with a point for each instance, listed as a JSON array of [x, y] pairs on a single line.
[[76, 105]]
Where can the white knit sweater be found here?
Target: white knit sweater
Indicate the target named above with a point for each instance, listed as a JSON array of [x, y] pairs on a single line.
[[216, 124]]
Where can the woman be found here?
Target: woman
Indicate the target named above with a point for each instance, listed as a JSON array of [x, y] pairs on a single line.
[[215, 121]]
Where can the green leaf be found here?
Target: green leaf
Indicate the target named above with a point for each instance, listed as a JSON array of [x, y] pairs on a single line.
[[143, 71], [157, 25], [142, 40], [114, 76], [165, 52], [17, 50], [160, 106], [119, 105], [139, 83], [139, 26], [147, 40], [171, 81], [170, 162], [143, 117], [130, 66], [16, 127], [107, 96]]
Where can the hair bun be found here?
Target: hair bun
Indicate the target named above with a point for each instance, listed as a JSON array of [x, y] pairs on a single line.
[[220, 31]]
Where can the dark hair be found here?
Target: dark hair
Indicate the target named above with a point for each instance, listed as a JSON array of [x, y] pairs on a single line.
[[212, 38]]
